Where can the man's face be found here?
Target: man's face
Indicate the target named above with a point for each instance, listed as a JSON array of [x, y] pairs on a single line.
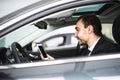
[[81, 32]]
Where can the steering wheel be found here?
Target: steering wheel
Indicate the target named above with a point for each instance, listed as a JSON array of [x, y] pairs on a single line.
[[19, 54]]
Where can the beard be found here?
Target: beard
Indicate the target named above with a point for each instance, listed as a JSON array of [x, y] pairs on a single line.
[[80, 41]]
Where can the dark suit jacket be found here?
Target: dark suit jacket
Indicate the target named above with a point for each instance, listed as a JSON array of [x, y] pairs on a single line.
[[103, 46]]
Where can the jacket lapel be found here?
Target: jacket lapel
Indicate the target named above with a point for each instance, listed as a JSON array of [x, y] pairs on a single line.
[[96, 48]]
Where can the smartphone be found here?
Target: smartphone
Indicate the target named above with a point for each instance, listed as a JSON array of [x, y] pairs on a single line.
[[42, 51]]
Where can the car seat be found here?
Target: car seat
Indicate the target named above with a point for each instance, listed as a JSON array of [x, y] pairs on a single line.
[[116, 31], [3, 57]]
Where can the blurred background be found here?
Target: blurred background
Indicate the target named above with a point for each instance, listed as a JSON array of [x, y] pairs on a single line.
[[8, 6]]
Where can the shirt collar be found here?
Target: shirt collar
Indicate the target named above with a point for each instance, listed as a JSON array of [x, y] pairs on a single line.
[[92, 47]]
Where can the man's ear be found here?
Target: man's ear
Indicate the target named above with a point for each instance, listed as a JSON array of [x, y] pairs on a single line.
[[90, 29]]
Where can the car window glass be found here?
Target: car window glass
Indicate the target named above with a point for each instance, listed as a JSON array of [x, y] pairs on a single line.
[[73, 40], [18, 35], [94, 7], [107, 31], [54, 42]]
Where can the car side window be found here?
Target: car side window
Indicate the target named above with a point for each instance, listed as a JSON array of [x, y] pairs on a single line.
[[107, 31], [73, 40], [54, 42]]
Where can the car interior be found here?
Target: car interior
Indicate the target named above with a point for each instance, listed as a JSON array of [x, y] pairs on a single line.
[[61, 19], [116, 31]]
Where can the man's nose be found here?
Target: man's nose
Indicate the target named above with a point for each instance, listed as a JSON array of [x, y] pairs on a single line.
[[75, 34]]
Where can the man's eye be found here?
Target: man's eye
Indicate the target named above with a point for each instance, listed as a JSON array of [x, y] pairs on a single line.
[[76, 28]]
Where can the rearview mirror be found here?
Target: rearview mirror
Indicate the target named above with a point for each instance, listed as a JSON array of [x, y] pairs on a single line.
[[41, 25]]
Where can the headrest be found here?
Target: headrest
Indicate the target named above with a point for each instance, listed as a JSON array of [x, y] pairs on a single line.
[[116, 29]]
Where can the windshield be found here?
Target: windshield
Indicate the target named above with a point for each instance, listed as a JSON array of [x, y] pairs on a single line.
[[17, 35]]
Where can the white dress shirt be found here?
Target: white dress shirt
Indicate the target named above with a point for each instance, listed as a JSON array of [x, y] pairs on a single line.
[[92, 47]]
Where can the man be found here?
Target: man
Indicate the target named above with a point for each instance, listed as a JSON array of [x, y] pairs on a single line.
[[88, 31]]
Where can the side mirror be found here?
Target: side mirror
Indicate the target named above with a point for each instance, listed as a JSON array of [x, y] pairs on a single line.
[[41, 25]]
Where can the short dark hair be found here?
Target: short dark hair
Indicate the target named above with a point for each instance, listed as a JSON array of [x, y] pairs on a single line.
[[92, 20]]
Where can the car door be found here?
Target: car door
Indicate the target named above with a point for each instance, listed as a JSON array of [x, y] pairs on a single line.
[[60, 46]]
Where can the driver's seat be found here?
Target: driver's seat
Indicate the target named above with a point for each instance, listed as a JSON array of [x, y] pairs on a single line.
[[3, 56], [116, 31]]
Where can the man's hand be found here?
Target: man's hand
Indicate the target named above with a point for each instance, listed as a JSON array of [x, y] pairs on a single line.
[[49, 58]]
